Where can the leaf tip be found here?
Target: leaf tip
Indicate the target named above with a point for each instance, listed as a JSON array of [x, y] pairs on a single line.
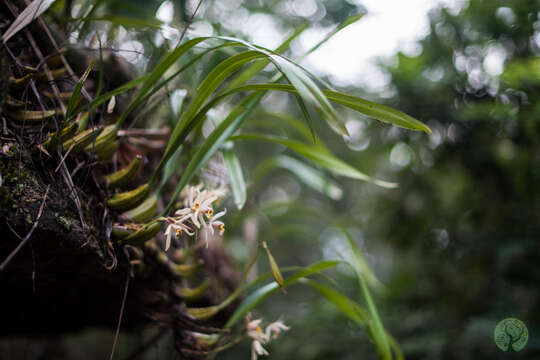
[[387, 184]]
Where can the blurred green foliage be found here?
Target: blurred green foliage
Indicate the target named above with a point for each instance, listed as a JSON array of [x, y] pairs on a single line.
[[457, 242]]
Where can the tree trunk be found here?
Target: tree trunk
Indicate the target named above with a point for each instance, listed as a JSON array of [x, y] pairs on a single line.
[[60, 271]]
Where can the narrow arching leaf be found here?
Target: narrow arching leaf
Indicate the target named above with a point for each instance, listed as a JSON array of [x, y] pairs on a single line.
[[376, 327], [319, 156], [377, 111], [357, 260], [310, 92], [176, 99], [263, 292], [309, 176], [75, 97], [304, 85], [349, 21], [395, 347], [248, 73], [256, 67], [285, 269], [284, 118], [347, 306], [236, 177], [307, 116]]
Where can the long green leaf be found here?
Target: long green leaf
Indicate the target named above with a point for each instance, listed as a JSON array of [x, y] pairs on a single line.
[[377, 111], [309, 91], [349, 21], [395, 347], [319, 156], [263, 292], [76, 95], [303, 84], [256, 67], [284, 118], [261, 63], [349, 307], [236, 177], [285, 269], [358, 261], [376, 327], [310, 176], [380, 112], [234, 169]]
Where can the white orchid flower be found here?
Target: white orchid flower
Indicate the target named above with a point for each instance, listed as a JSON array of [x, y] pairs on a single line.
[[213, 221], [178, 226], [274, 329], [254, 331], [257, 349], [198, 203], [198, 212], [190, 193]]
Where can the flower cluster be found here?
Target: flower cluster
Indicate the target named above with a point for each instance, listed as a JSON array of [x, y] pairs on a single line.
[[196, 213], [260, 337]]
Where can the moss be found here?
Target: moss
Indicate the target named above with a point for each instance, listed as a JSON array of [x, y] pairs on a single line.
[[20, 189], [65, 222]]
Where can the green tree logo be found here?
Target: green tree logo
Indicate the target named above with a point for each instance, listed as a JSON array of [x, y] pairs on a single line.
[[511, 335]]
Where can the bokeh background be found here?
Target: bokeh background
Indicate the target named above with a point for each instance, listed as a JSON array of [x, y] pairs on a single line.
[[456, 244]]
